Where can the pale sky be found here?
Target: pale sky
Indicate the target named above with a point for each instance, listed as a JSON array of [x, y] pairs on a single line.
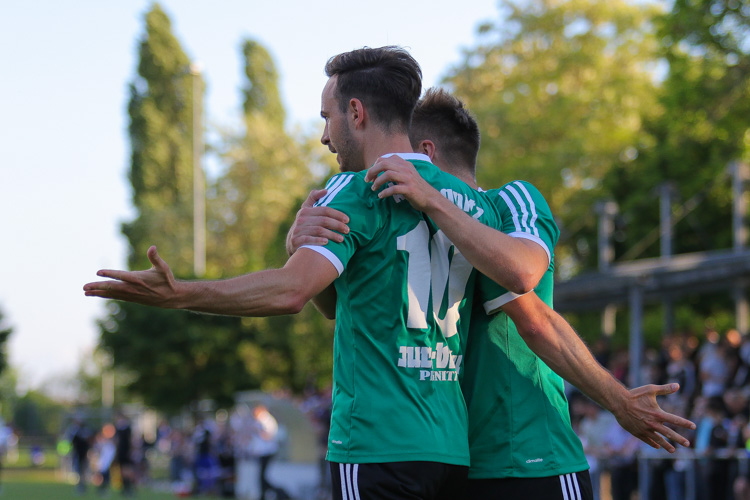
[[63, 123]]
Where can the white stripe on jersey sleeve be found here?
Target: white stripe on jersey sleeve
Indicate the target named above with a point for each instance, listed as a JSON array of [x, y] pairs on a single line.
[[527, 208], [532, 206], [328, 255], [512, 208], [337, 186], [521, 206], [494, 305]]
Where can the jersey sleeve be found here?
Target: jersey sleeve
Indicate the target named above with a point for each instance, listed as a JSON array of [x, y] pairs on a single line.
[[349, 193], [492, 295], [526, 214]]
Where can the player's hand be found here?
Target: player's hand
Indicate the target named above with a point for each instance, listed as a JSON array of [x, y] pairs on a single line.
[[644, 419], [153, 287], [401, 178], [316, 225]]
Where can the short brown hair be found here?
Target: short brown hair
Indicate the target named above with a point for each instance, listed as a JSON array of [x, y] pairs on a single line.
[[387, 80], [443, 119]]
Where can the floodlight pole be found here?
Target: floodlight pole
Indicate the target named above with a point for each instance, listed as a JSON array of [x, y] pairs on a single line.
[[199, 185]]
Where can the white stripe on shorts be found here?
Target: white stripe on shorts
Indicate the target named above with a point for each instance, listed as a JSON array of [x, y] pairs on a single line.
[[564, 488], [575, 482], [349, 481], [569, 485]]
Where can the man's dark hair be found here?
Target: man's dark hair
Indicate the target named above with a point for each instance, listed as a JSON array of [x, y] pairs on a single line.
[[443, 119], [387, 80]]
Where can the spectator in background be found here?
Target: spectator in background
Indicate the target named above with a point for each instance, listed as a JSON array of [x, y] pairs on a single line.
[[592, 425], [620, 448], [206, 466], [711, 435], [714, 370], [124, 453], [317, 406], [180, 462], [742, 483], [265, 447], [620, 364], [80, 437], [682, 371], [226, 457], [741, 377], [106, 451], [5, 436]]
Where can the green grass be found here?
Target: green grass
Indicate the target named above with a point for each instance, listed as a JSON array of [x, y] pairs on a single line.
[[58, 491], [46, 485]]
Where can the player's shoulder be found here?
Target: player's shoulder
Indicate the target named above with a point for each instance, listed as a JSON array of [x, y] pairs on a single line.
[[345, 185], [519, 194], [516, 186]]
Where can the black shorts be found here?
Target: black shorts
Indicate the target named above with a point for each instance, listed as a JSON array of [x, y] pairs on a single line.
[[398, 481], [574, 486]]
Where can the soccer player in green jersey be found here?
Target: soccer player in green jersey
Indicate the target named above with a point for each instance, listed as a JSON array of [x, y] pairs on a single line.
[[520, 434], [399, 422]]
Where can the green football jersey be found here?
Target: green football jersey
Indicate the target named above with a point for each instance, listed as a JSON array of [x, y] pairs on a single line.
[[519, 422], [402, 289]]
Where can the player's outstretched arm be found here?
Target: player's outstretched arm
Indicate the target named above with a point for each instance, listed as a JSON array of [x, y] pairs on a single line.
[[265, 293], [516, 264], [559, 346]]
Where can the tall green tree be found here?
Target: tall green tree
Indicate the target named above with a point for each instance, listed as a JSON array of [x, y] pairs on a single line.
[[704, 125], [253, 204], [560, 89], [161, 138], [267, 173], [172, 357]]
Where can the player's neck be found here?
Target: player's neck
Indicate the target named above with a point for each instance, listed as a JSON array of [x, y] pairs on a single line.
[[466, 177], [463, 173], [379, 144]]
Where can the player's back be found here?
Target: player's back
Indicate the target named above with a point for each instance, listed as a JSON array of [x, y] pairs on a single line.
[[397, 349], [519, 422]]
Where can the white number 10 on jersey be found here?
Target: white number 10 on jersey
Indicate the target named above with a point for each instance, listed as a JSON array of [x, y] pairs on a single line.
[[430, 267]]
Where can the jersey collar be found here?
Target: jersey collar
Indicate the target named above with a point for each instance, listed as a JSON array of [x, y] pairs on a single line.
[[410, 156]]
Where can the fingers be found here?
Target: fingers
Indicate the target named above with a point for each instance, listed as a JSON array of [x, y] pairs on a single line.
[[649, 441], [375, 170], [386, 177], [114, 274], [315, 236], [391, 190], [156, 261], [390, 164], [311, 219], [314, 196], [673, 435], [105, 289], [664, 390], [678, 421]]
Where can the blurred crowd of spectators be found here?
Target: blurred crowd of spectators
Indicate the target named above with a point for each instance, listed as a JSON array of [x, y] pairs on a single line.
[[227, 454], [714, 376]]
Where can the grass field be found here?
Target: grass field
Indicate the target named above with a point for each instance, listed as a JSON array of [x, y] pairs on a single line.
[[45, 485]]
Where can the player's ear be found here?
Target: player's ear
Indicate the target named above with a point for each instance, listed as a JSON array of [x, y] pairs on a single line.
[[427, 147], [356, 112]]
